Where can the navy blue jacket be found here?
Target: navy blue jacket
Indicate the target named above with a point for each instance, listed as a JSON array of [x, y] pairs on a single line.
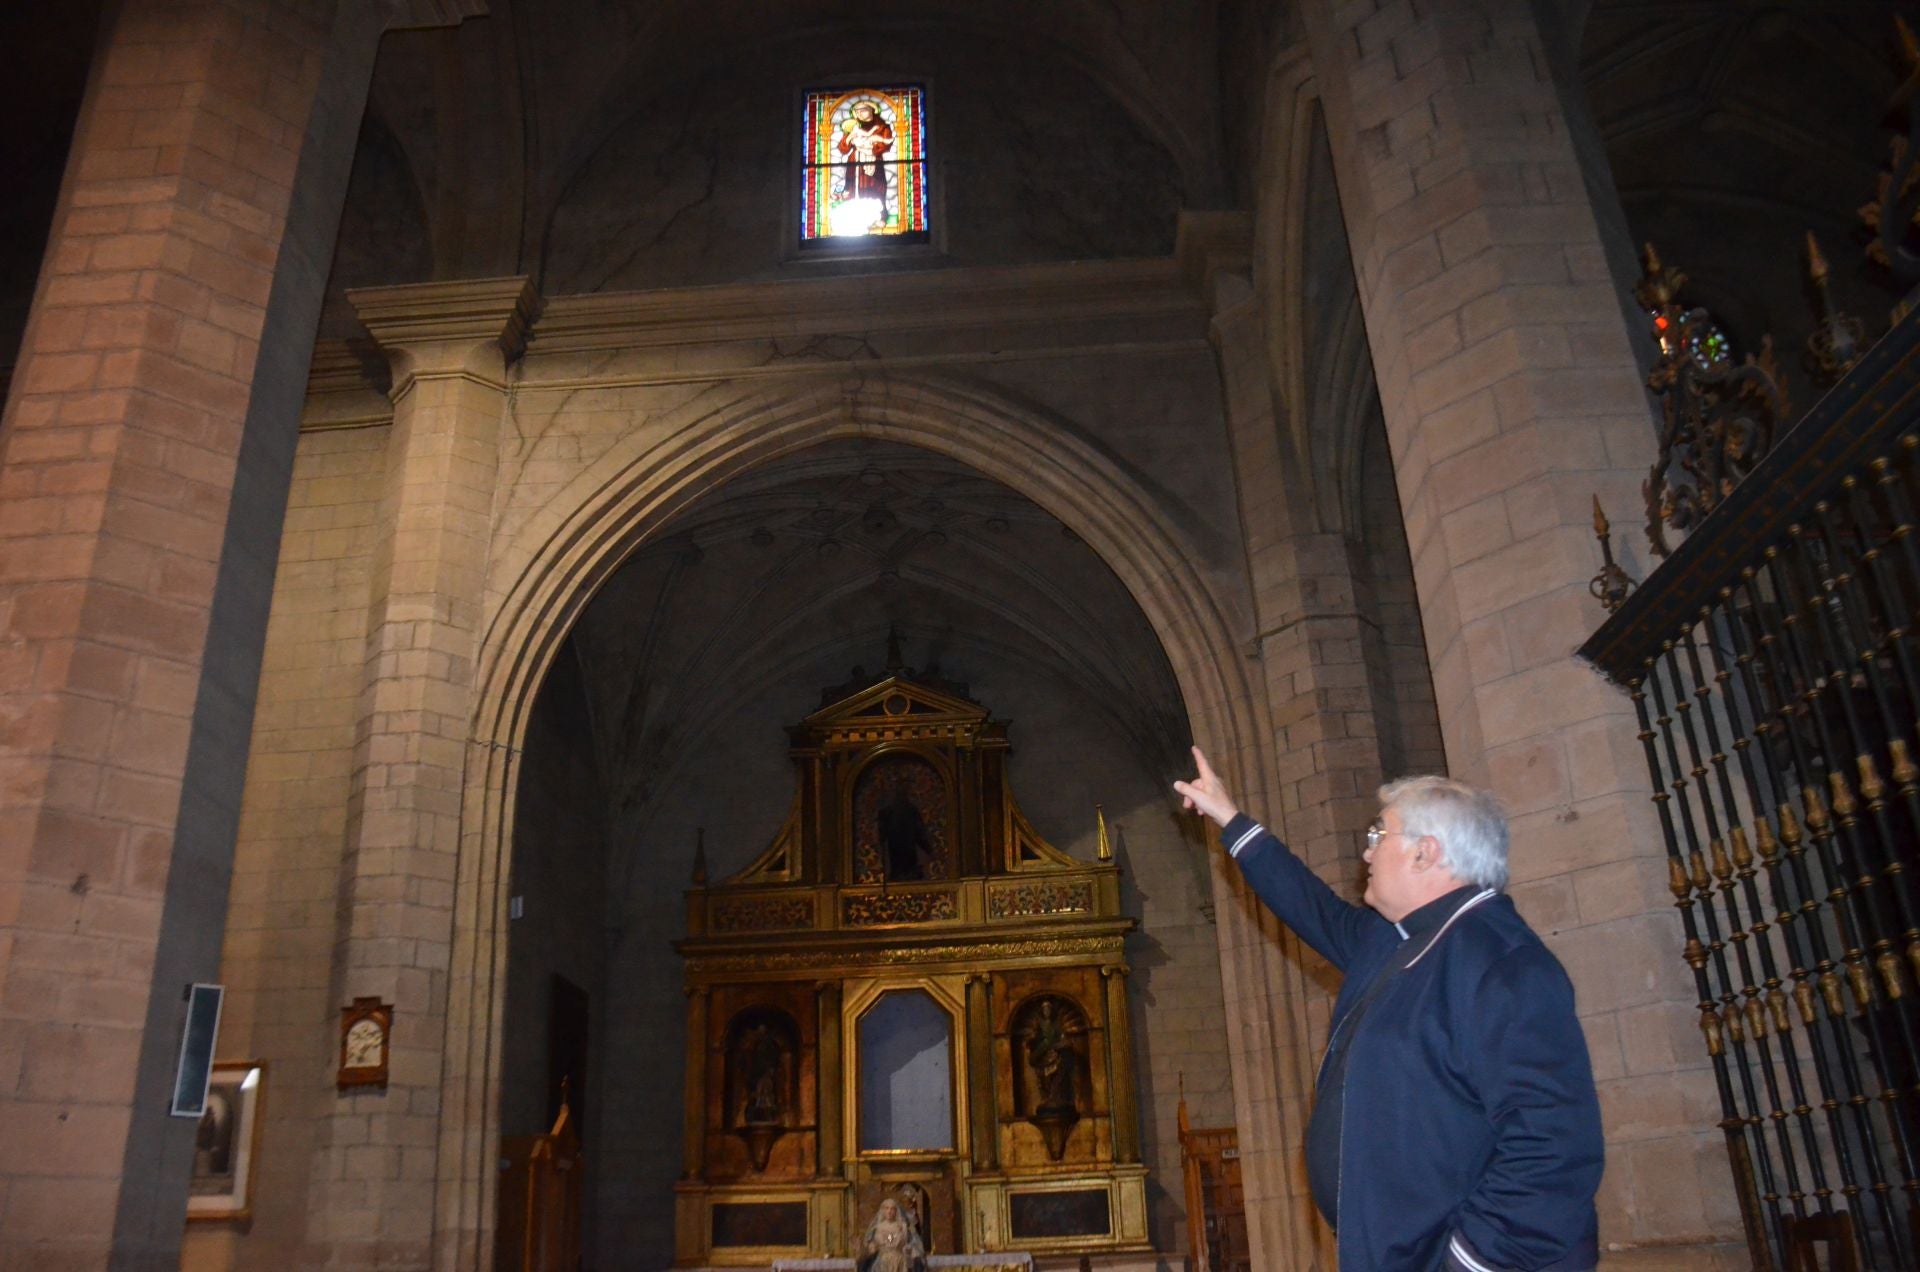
[[1471, 1131]]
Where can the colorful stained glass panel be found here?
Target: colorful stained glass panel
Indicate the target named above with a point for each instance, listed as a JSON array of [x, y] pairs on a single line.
[[865, 171]]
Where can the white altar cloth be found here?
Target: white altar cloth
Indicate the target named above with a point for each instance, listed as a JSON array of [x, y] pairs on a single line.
[[1002, 1262]]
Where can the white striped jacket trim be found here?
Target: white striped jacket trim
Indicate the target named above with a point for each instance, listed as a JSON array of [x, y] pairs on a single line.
[[1471, 901], [1458, 1249], [1253, 832]]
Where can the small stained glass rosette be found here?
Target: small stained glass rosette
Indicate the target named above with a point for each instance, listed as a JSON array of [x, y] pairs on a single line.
[[865, 172]]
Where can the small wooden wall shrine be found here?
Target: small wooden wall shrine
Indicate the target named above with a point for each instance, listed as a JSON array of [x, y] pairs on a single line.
[[910, 996]]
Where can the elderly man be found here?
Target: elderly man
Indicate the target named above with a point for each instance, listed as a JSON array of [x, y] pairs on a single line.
[[1455, 1124]]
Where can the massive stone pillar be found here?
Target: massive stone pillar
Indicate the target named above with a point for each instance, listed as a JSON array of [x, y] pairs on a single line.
[[449, 344], [1512, 395], [143, 467]]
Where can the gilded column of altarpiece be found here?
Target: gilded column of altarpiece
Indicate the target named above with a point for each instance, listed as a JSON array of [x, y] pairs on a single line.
[[908, 996]]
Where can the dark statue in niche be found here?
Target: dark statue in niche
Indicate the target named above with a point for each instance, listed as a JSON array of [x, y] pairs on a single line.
[[1050, 1044], [1052, 1059], [763, 1062], [903, 838], [900, 816], [762, 1054]]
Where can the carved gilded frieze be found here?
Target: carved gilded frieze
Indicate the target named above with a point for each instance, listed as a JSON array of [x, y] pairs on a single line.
[[761, 914], [970, 952], [1009, 901], [874, 909]]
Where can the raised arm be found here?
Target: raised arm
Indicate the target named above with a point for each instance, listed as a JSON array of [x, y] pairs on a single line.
[[1298, 897]]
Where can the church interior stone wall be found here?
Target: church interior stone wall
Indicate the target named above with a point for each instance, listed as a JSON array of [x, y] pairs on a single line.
[[1251, 391]]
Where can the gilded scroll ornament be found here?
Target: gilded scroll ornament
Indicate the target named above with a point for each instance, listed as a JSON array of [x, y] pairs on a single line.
[[1057, 897], [973, 952], [900, 907], [762, 914]]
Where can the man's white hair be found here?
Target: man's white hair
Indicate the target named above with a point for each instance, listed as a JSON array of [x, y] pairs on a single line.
[[1468, 822]]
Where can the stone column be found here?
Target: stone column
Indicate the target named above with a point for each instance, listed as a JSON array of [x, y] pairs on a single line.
[[1308, 643], [1512, 395], [144, 458], [449, 344]]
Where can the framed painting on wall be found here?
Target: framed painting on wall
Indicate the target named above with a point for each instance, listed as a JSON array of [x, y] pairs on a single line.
[[226, 1145]]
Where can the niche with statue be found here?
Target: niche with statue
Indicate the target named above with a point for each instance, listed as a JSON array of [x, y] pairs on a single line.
[[1050, 1059], [763, 1065]]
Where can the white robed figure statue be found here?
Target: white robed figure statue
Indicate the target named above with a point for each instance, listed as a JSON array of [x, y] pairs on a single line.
[[891, 1242]]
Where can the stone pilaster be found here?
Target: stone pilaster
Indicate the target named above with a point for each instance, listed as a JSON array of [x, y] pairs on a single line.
[[1308, 648], [143, 468], [449, 344]]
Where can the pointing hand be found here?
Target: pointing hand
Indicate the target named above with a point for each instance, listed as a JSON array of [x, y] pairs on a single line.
[[1206, 793]]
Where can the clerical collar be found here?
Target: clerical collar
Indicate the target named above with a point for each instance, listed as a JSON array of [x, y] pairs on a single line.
[[1431, 916]]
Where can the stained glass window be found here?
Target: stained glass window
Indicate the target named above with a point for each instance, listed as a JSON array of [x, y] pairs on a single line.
[[865, 172]]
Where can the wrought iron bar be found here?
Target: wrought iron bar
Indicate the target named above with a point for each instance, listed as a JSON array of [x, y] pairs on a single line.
[[1775, 706], [1847, 586], [1771, 807], [1761, 1235], [1788, 708], [1695, 872], [1869, 891], [1733, 867]]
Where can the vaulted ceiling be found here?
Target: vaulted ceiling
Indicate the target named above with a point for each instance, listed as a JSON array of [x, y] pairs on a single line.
[[1734, 127], [777, 586]]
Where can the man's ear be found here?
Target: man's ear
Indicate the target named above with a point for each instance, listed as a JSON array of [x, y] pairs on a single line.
[[1426, 853]]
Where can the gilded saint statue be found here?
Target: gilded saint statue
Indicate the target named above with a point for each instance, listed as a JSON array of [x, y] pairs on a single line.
[[891, 1243], [1051, 1054], [765, 1057]]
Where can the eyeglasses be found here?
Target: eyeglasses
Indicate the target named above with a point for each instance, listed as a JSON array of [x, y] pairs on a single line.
[[1377, 832]]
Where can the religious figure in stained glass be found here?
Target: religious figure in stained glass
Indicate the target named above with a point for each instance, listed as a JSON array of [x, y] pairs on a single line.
[[865, 140], [865, 167]]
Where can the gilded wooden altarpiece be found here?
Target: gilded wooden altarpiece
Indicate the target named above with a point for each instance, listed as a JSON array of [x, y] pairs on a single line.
[[906, 886]]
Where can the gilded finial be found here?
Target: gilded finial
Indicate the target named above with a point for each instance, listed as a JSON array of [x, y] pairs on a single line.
[[700, 857], [1103, 847], [1611, 585], [1816, 262], [1658, 285], [1838, 338]]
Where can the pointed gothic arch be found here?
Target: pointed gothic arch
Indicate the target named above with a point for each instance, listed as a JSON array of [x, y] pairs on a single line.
[[552, 563]]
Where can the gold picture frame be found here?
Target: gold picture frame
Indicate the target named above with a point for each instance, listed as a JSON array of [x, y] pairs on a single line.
[[226, 1154]]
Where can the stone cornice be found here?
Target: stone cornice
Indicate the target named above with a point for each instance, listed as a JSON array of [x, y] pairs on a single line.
[[467, 311], [955, 299], [1210, 245]]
